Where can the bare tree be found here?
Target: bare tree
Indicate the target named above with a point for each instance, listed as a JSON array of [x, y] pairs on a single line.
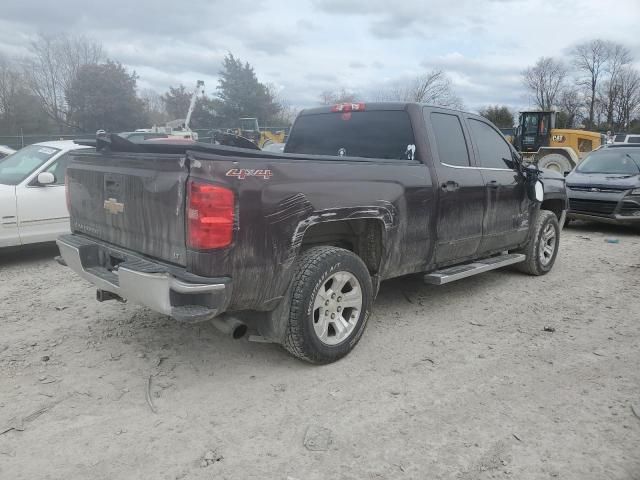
[[9, 87], [545, 80], [590, 59], [618, 57], [433, 87], [628, 96], [571, 102], [154, 106], [330, 97], [53, 66]]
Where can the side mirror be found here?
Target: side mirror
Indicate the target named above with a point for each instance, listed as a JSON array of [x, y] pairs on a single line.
[[46, 178], [535, 188], [566, 174]]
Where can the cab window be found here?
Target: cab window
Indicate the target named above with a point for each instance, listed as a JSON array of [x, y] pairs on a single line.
[[58, 168], [493, 150], [450, 141]]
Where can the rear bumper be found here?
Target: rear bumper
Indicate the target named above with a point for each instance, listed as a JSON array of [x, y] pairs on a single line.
[[163, 288]]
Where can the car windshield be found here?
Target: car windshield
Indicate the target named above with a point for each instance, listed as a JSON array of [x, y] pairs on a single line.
[[18, 166], [607, 161]]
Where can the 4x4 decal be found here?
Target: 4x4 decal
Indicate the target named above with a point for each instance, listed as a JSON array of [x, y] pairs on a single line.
[[243, 173]]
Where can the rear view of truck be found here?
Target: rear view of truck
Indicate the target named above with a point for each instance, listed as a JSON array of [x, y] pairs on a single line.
[[134, 217]]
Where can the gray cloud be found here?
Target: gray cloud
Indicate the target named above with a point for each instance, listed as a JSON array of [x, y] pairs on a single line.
[[314, 45]]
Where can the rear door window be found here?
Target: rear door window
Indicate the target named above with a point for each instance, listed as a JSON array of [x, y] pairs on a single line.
[[493, 150], [385, 134], [450, 141]]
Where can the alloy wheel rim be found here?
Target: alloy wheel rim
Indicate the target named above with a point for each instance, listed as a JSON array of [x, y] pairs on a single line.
[[547, 244], [337, 307]]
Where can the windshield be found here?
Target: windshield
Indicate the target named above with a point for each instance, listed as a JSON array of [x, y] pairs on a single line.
[[248, 124], [369, 134], [18, 166], [607, 161]]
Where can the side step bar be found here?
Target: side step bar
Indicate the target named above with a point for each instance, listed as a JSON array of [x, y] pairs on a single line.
[[451, 274]]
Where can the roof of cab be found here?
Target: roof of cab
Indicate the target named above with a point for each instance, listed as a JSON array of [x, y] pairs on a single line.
[[368, 106]]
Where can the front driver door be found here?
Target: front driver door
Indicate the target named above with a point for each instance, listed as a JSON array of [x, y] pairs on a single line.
[[460, 187], [506, 218], [42, 209]]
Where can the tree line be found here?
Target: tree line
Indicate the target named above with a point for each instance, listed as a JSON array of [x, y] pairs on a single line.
[[594, 84], [67, 84]]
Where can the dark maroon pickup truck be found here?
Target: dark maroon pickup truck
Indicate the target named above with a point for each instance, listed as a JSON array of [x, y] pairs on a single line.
[[295, 244]]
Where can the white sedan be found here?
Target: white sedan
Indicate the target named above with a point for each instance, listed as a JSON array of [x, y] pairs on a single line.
[[33, 206]]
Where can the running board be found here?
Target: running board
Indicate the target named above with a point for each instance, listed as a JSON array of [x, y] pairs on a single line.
[[451, 274]]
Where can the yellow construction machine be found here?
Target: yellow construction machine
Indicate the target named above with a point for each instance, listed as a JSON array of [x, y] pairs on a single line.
[[249, 128], [555, 148]]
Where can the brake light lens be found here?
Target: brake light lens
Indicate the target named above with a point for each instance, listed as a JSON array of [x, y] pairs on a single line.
[[348, 107], [210, 216]]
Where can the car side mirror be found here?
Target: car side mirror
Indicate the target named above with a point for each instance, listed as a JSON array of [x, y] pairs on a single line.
[[566, 174], [535, 188], [46, 178]]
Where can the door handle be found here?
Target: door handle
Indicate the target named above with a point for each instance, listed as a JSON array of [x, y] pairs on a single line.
[[493, 184], [450, 186]]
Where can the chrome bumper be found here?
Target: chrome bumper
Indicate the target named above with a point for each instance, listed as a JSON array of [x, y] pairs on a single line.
[[159, 290]]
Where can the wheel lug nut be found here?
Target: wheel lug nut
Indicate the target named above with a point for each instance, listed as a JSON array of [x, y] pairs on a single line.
[[333, 315], [339, 299], [326, 303], [326, 312], [339, 309], [333, 295]]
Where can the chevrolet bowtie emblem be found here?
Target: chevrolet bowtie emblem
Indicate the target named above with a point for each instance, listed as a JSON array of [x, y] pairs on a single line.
[[113, 206]]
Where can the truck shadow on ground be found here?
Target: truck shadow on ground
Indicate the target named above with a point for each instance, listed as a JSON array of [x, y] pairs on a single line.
[[201, 346], [579, 226], [28, 254]]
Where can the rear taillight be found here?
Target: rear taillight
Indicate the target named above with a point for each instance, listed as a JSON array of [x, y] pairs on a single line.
[[210, 216]]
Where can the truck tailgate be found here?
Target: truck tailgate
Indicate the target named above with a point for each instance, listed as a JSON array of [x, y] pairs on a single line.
[[135, 201]]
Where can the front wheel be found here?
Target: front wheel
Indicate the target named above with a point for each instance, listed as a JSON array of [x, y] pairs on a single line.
[[542, 249], [331, 296]]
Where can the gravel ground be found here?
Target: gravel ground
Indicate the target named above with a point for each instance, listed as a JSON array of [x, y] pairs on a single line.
[[496, 376]]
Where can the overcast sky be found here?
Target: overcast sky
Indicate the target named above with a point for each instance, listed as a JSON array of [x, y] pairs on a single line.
[[304, 47]]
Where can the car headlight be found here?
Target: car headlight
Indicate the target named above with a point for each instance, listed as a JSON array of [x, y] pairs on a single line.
[[635, 191]]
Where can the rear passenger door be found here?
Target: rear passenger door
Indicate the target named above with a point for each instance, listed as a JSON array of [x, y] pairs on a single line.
[[461, 188], [506, 218]]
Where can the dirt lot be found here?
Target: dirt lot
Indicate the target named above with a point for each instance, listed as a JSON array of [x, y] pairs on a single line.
[[458, 381]]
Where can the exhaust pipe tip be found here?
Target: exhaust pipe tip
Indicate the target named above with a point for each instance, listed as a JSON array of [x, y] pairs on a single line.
[[230, 326], [239, 332]]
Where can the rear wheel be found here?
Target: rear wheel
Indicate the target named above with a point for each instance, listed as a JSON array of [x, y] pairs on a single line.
[[331, 295], [556, 162], [542, 249]]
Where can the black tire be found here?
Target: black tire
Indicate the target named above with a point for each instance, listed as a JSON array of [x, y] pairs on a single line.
[[533, 265], [314, 268]]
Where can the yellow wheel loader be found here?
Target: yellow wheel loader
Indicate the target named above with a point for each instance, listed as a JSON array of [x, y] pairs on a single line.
[[249, 128], [555, 148]]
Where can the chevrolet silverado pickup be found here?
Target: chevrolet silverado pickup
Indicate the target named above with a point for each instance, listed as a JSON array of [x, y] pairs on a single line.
[[294, 244]]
